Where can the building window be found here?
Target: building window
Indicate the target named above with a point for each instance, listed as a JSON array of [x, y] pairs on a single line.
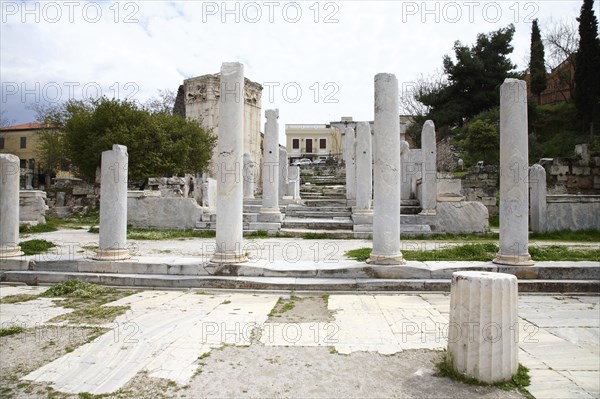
[[23, 142], [23, 164], [295, 144], [1, 143], [323, 144]]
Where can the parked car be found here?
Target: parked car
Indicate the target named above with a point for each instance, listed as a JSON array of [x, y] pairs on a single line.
[[319, 162], [303, 161]]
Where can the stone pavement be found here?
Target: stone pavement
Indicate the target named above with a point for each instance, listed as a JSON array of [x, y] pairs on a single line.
[[165, 333]]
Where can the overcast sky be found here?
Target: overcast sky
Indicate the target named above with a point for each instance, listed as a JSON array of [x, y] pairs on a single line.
[[316, 60]]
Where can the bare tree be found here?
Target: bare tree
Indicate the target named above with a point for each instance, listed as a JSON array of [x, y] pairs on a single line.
[[412, 91], [561, 41], [4, 121], [164, 102]]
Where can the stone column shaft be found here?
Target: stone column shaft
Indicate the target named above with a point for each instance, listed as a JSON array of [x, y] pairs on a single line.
[[514, 167], [429, 169], [9, 206], [294, 182], [350, 161], [364, 167], [483, 333], [407, 170], [283, 173], [537, 190], [113, 205], [248, 177], [386, 201], [230, 148], [270, 213]]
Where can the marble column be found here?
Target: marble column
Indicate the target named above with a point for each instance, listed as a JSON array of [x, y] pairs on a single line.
[[407, 171], [293, 186], [364, 168], [248, 177], [386, 201], [9, 206], [230, 149], [270, 212], [283, 172], [350, 161], [113, 205], [429, 169], [514, 166], [483, 340], [537, 202]]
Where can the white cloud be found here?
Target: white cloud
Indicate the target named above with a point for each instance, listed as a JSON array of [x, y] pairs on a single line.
[[157, 44]]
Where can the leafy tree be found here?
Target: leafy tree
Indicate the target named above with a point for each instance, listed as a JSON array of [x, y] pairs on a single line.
[[587, 84], [473, 80], [537, 68], [159, 144], [482, 142]]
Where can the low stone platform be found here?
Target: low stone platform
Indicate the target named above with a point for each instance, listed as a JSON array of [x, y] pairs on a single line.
[[337, 275]]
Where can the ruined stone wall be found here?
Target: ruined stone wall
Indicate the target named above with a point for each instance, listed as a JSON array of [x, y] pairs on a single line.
[[201, 99], [481, 184]]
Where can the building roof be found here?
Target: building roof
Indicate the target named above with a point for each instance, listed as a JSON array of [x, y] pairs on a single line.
[[25, 126]]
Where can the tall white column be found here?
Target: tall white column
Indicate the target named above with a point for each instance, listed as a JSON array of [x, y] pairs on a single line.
[[293, 187], [364, 167], [283, 172], [113, 205], [407, 170], [483, 331], [248, 177], [514, 166], [537, 191], [230, 149], [270, 201], [386, 201], [350, 161], [9, 206], [429, 169]]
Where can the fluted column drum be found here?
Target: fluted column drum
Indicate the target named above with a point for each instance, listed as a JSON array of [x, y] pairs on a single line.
[[483, 330]]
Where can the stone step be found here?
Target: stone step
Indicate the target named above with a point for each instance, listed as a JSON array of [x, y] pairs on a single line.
[[279, 283], [246, 217], [325, 202], [317, 224], [318, 214], [256, 208], [302, 233]]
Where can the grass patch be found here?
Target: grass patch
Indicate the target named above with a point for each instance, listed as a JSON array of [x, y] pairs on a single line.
[[589, 235], [156, 235], [318, 236], [560, 252], [518, 381], [487, 252], [93, 314], [25, 229], [86, 299], [12, 330], [283, 305], [18, 298], [258, 234], [455, 237], [34, 247]]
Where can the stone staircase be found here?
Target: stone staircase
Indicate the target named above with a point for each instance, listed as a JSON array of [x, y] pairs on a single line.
[[324, 212]]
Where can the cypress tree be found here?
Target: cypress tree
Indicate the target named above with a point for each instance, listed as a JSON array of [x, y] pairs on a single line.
[[537, 67], [587, 65]]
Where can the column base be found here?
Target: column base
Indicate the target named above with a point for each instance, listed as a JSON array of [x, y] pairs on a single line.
[[428, 212], [270, 215], [514, 260], [220, 258], [112, 254], [10, 252], [386, 259]]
